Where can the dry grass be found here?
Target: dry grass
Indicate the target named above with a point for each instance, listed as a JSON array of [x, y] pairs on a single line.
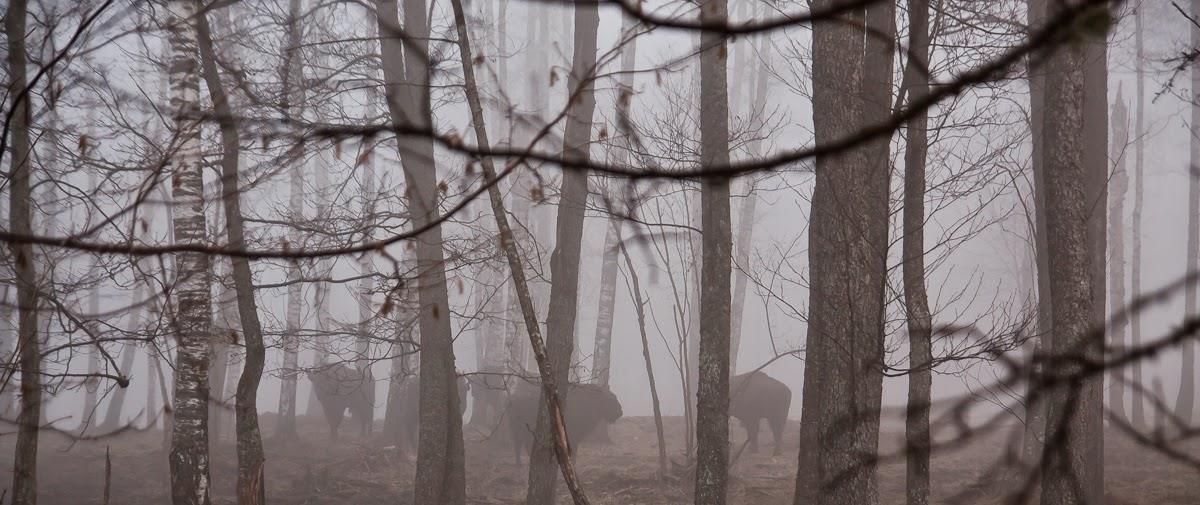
[[359, 471]]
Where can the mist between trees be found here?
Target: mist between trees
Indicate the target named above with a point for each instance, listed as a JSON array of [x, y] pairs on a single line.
[[548, 251]]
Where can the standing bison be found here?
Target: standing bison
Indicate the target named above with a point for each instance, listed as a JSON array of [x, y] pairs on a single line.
[[587, 406], [756, 396], [340, 388]]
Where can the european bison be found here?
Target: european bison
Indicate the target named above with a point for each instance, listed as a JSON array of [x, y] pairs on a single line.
[[756, 396], [587, 406], [340, 387], [410, 409]]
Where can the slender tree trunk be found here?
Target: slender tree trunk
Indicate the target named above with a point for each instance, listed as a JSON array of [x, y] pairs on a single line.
[[24, 487], [1184, 404], [564, 262], [92, 383], [551, 397], [1138, 401], [116, 406], [602, 353], [440, 475], [250, 480], [609, 267], [193, 318], [224, 324], [712, 394], [639, 308], [916, 299], [1118, 186], [1035, 405], [1072, 468], [293, 96], [847, 256]]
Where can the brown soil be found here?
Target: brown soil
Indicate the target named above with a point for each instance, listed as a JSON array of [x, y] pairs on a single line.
[[358, 471]]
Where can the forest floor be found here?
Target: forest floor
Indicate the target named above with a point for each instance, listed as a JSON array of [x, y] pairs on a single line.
[[362, 471]]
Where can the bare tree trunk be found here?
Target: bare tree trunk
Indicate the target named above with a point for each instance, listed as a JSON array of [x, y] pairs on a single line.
[[746, 213], [250, 480], [1072, 469], [116, 406], [1184, 404], [916, 299], [193, 318], [92, 383], [564, 262], [440, 477], [24, 487], [1118, 186], [224, 324], [609, 267], [602, 353], [639, 308], [1035, 409], [293, 96], [551, 397], [847, 259], [1138, 401], [712, 393]]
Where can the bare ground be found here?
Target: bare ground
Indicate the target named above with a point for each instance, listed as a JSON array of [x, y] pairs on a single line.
[[360, 471]]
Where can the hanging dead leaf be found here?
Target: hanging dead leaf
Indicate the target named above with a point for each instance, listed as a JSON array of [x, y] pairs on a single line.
[[453, 139], [535, 193], [603, 132], [386, 309], [363, 158], [83, 145], [443, 187], [337, 148], [553, 78], [479, 58]]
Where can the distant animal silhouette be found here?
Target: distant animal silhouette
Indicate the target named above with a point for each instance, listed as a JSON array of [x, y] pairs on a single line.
[[587, 406], [756, 396], [339, 388]]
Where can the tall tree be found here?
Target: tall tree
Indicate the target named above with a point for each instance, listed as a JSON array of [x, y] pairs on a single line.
[[251, 488], [440, 475], [516, 267], [564, 261], [1118, 185], [189, 459], [1074, 176], [292, 75], [916, 298], [1137, 396], [1184, 404], [1035, 406], [843, 377], [24, 487], [609, 267], [712, 394]]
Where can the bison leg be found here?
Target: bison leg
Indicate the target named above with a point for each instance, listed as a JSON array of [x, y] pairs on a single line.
[[777, 424], [752, 433], [334, 417]]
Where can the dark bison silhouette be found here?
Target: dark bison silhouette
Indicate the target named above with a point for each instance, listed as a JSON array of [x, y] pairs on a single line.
[[756, 396], [340, 388], [587, 406], [410, 409]]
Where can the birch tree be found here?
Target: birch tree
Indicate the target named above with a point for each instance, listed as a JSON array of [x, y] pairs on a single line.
[[189, 459]]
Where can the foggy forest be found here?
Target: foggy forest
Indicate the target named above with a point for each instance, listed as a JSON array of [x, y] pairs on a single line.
[[761, 252]]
